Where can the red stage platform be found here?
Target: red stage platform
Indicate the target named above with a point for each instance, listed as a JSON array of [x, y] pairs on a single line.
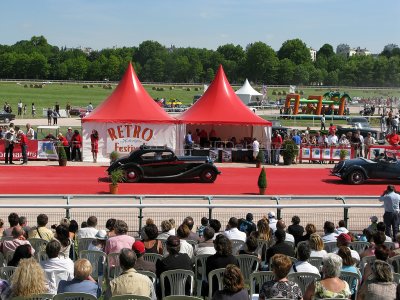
[[232, 181]]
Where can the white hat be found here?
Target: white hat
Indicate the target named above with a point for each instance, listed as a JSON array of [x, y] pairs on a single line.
[[101, 235], [271, 215]]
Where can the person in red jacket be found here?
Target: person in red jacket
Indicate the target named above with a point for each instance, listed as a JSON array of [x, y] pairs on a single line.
[[76, 142], [94, 141], [393, 139], [23, 141], [65, 144]]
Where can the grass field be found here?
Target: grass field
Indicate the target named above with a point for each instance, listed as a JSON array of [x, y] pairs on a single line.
[[76, 95]]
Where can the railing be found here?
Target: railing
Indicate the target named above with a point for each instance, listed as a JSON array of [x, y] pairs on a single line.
[[354, 210]]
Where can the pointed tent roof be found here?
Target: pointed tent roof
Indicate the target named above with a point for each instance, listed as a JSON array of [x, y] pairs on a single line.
[[247, 89], [220, 105], [129, 102]]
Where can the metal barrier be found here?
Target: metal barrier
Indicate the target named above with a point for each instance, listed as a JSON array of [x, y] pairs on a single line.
[[354, 210]]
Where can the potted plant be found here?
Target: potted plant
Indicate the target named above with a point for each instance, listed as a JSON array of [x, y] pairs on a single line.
[[113, 156], [289, 151], [343, 154], [262, 181], [116, 177], [260, 159], [62, 155]]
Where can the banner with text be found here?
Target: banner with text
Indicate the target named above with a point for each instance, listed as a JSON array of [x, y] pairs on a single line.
[[36, 150], [124, 138]]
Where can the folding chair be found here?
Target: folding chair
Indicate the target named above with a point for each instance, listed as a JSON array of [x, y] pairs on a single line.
[[83, 244], [359, 246], [152, 257], [330, 247], [7, 272], [351, 279], [237, 245], [200, 271], [247, 264], [257, 279], [218, 274]]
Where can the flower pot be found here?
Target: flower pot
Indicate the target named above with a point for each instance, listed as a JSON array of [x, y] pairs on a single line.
[[62, 162], [262, 191], [287, 161], [258, 164], [113, 189]]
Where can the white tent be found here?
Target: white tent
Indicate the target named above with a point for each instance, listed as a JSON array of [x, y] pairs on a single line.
[[246, 93]]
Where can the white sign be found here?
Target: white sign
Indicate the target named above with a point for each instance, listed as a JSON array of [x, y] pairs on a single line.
[[127, 137]]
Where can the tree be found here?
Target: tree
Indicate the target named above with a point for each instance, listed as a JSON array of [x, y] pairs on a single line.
[[77, 68], [301, 75], [262, 63], [295, 50], [153, 70], [286, 71], [326, 50], [38, 66], [150, 50], [232, 52]]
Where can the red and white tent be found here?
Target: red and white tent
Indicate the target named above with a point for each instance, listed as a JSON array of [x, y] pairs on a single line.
[[222, 110], [128, 118]]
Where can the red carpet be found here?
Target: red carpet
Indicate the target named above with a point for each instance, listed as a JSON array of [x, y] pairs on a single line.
[[232, 181]]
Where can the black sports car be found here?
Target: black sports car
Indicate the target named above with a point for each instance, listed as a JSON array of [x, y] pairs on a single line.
[[6, 117], [150, 162], [357, 170]]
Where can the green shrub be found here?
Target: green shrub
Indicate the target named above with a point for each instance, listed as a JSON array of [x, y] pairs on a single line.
[[85, 86], [301, 92], [262, 179], [284, 93], [116, 176], [154, 88], [188, 89], [279, 93], [171, 88], [197, 89], [274, 93]]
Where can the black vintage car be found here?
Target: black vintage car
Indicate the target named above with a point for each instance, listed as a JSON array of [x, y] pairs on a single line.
[[154, 162], [357, 170], [6, 117]]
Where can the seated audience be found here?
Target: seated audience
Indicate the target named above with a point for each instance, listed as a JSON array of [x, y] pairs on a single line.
[[82, 281], [378, 238], [216, 225], [280, 286], [110, 227], [348, 265], [18, 239], [130, 282], [62, 236], [317, 246], [40, 231], [207, 246], [302, 265], [280, 246], [251, 247], [296, 229], [247, 226], [151, 244], [310, 229], [141, 264], [99, 244], [288, 237], [166, 227], [193, 236], [331, 286], [21, 252], [89, 231], [341, 228], [232, 232], [121, 240], [183, 233], [344, 240], [329, 230], [380, 285], [381, 253], [28, 279], [233, 285], [13, 220]]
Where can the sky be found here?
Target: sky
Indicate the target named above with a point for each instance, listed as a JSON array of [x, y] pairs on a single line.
[[101, 24]]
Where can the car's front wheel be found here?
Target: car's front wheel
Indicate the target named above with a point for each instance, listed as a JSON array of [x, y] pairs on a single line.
[[208, 175], [356, 177], [133, 175]]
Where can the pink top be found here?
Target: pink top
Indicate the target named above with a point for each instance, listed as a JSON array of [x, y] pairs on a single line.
[[116, 243]]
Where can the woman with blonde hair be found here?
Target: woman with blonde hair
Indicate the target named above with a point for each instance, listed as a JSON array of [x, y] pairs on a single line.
[[264, 232], [166, 226], [233, 285], [317, 246], [28, 279]]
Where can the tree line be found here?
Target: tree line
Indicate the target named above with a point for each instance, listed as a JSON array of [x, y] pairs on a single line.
[[153, 62]]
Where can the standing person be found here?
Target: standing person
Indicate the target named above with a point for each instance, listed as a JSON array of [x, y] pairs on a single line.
[[20, 105], [69, 136], [390, 200], [368, 142], [57, 108], [276, 144], [9, 146], [55, 117], [24, 112], [64, 144], [188, 142], [23, 141], [49, 116], [323, 122], [256, 148], [33, 110], [30, 133], [76, 142], [94, 141], [67, 109]]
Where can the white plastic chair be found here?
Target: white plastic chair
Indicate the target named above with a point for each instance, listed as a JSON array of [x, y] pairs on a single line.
[[395, 262], [248, 264], [258, 279], [200, 271], [219, 274], [38, 244], [237, 245], [177, 281], [97, 260], [55, 276], [7, 272], [83, 244], [351, 278], [316, 262], [359, 246], [74, 296], [113, 266], [152, 257], [390, 245], [129, 297], [35, 297], [303, 279], [330, 247]]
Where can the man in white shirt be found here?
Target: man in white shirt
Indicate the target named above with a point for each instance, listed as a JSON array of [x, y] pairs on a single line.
[[90, 231], [281, 225], [330, 235], [302, 265], [30, 133], [272, 221], [332, 139], [256, 148], [54, 262], [232, 232]]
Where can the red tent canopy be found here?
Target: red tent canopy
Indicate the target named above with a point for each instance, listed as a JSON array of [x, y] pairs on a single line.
[[220, 105], [129, 102]]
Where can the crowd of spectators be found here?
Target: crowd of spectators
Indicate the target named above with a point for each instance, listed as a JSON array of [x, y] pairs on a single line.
[[283, 250]]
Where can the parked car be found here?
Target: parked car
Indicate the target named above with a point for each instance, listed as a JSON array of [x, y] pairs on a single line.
[[77, 111], [358, 170], [277, 126], [359, 122], [363, 131], [159, 162], [6, 117]]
